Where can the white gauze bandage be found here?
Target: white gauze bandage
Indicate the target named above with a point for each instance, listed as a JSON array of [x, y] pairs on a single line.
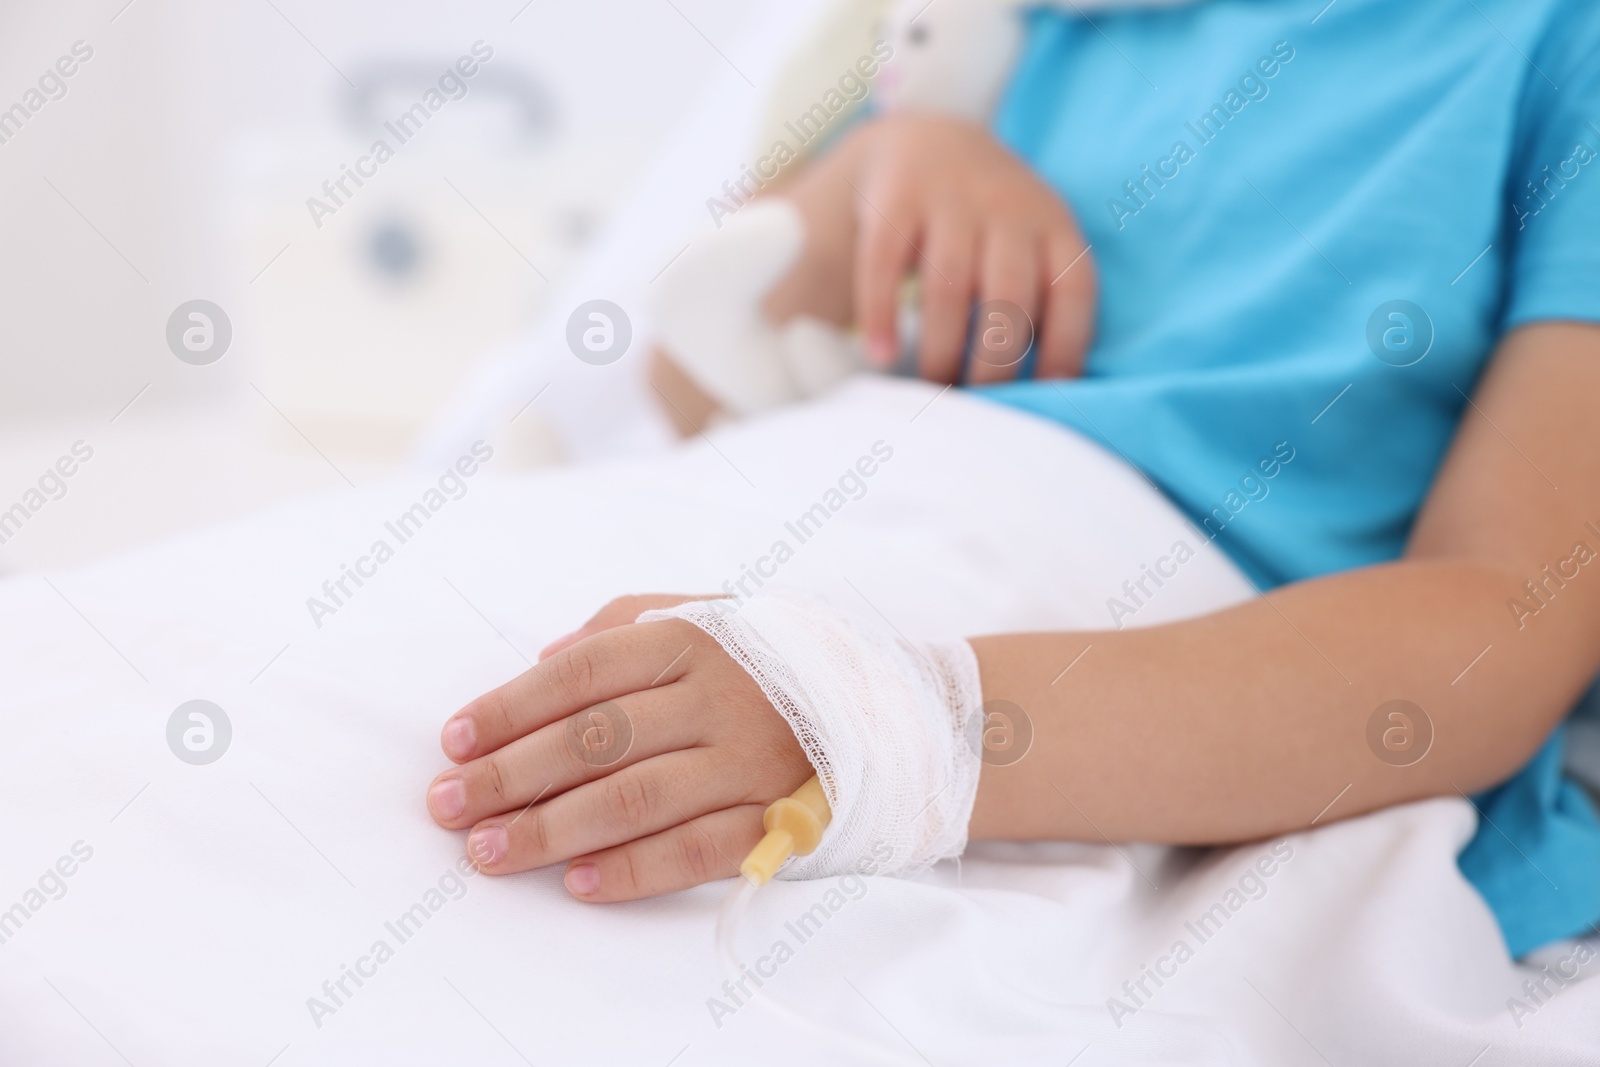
[[890, 725]]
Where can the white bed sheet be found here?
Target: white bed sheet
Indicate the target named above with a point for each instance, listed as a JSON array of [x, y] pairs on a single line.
[[219, 898]]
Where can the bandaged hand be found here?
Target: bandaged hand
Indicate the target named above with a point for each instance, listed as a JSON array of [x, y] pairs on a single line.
[[941, 198], [643, 753]]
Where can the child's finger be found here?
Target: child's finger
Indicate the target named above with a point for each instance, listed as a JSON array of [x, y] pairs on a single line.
[[619, 612], [608, 665], [1070, 293], [635, 802], [884, 250], [703, 850], [1010, 276], [581, 748], [947, 298]]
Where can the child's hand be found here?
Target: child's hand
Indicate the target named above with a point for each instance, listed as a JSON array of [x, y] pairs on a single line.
[[942, 198], [641, 755]]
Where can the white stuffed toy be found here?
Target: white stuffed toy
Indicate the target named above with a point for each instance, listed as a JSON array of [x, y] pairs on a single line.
[[946, 56]]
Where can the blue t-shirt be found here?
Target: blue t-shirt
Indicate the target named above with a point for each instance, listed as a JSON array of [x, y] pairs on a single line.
[[1313, 222]]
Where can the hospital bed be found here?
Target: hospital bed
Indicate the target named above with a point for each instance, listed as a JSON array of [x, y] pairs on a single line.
[[270, 889]]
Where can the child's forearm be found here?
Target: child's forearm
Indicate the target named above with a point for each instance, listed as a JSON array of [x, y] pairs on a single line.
[[1255, 720]]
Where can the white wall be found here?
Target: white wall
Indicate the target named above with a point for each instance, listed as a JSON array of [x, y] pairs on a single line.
[[177, 166]]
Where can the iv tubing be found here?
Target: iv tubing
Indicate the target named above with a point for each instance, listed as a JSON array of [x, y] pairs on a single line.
[[794, 827]]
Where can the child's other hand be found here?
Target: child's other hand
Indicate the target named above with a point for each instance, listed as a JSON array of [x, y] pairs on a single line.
[[940, 197], [639, 754]]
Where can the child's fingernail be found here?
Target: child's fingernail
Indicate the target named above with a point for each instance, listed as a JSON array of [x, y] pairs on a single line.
[[487, 846], [583, 879], [880, 351], [447, 799], [458, 737]]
